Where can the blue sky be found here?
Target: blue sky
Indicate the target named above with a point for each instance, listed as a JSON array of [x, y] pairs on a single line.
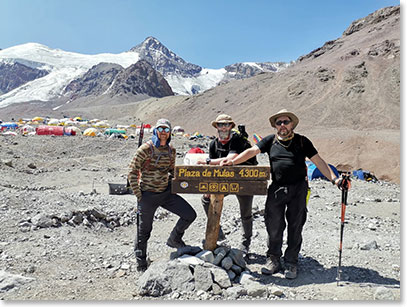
[[210, 33]]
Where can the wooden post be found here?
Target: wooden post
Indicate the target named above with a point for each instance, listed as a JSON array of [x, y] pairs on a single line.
[[213, 225]]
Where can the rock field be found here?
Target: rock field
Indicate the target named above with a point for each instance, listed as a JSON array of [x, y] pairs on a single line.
[[63, 237]]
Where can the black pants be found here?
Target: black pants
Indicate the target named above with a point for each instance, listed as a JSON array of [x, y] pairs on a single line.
[[286, 202], [174, 203]]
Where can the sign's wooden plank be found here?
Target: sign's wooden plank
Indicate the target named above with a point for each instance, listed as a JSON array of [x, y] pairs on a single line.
[[222, 173], [214, 187], [212, 226]]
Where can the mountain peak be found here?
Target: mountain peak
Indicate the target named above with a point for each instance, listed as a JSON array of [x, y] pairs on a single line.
[[151, 43], [164, 60]]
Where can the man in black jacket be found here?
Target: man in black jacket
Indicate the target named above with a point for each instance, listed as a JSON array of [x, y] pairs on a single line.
[[286, 197], [229, 144]]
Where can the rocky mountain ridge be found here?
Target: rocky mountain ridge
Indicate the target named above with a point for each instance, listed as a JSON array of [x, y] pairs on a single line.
[[13, 75], [112, 79], [164, 60], [183, 77]]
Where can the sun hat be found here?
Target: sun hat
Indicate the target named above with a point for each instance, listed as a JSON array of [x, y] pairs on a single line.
[[162, 122], [284, 112], [223, 118]]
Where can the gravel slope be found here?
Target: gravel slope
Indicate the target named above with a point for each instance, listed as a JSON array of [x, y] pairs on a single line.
[[52, 179]]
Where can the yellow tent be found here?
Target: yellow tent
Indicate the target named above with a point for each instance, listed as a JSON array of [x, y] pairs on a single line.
[[53, 122], [37, 119], [90, 132]]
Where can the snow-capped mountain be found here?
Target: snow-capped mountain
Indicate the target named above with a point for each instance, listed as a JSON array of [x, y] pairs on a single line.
[[53, 72], [164, 60]]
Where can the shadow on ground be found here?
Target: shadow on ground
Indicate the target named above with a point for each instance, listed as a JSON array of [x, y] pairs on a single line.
[[310, 271]]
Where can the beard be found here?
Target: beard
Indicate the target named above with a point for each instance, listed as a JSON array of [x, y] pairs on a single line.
[[224, 135], [284, 133]]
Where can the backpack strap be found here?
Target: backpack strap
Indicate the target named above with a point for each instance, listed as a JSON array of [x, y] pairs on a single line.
[[219, 151], [148, 162]]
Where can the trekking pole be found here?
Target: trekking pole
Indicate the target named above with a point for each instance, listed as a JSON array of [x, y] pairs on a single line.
[[345, 186], [141, 134], [138, 251]]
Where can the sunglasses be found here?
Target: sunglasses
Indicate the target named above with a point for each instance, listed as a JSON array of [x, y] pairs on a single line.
[[285, 122], [221, 125], [161, 129]]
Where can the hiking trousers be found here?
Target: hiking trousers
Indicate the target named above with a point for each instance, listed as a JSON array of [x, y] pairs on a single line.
[[150, 201], [286, 203]]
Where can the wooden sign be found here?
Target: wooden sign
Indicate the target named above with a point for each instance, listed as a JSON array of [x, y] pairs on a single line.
[[213, 187], [206, 179], [222, 173]]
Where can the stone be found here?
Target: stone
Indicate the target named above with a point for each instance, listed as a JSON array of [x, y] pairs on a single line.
[[221, 277], [232, 275], [227, 263], [383, 294], [276, 291], [237, 257], [219, 257], [42, 220], [237, 269], [369, 245], [203, 278], [245, 278], [216, 289], [206, 255], [220, 249], [10, 281], [235, 292], [190, 260], [164, 277], [255, 289]]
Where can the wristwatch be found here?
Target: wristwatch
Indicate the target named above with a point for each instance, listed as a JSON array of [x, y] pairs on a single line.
[[208, 161]]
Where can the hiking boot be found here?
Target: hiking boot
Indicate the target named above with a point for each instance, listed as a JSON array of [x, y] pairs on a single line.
[[247, 225], [273, 266], [175, 240], [244, 246], [141, 264], [290, 271]]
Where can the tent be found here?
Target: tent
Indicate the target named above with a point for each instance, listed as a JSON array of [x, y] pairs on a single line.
[[196, 150], [74, 130], [313, 172], [90, 132], [37, 119], [364, 175], [8, 126], [110, 131], [26, 129], [101, 124], [178, 130], [54, 130], [53, 122]]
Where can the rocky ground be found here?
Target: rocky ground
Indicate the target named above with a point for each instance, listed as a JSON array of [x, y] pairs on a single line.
[[63, 237]]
